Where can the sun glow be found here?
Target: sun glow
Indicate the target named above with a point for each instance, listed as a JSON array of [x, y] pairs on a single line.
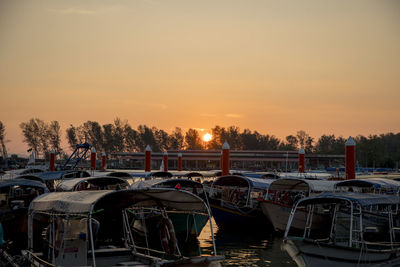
[[207, 137]]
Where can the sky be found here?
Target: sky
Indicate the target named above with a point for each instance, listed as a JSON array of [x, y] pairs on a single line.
[[325, 67]]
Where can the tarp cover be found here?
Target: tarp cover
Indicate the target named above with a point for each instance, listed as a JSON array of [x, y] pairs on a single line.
[[23, 182], [69, 184], [378, 183], [303, 185], [241, 181], [56, 175], [168, 182], [361, 198], [82, 201]]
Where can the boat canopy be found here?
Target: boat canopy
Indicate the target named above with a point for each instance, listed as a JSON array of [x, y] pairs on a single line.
[[71, 184], [262, 175], [376, 183], [187, 174], [78, 202], [23, 182], [55, 175], [292, 184], [119, 174], [150, 174], [363, 199], [243, 181], [168, 183]]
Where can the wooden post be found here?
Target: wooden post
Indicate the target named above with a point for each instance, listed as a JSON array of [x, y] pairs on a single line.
[[225, 158], [147, 159], [93, 159], [52, 160], [165, 160], [179, 161], [350, 159], [302, 164]]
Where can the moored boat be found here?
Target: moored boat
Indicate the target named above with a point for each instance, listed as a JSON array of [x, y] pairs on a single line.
[[233, 201], [93, 228], [363, 230], [278, 202]]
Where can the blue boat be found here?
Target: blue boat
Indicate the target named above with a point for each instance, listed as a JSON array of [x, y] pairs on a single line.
[[234, 204]]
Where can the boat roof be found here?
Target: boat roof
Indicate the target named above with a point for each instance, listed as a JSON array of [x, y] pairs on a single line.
[[263, 175], [23, 182], [236, 180], [70, 184], [56, 175], [78, 202], [378, 183], [302, 185], [363, 199], [160, 181]]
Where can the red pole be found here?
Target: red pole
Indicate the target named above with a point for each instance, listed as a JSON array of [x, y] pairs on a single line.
[[103, 162], [220, 161], [147, 159], [52, 160], [225, 159], [93, 159], [350, 159], [165, 160], [302, 164], [180, 162]]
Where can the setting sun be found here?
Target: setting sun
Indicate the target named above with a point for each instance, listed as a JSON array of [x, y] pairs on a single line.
[[207, 137]]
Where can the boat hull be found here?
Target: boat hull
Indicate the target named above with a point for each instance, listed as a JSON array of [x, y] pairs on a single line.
[[312, 254], [239, 218], [278, 214]]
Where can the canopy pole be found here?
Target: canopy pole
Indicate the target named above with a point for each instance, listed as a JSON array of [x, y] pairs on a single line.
[[91, 235]]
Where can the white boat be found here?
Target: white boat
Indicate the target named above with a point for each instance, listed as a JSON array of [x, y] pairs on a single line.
[[370, 185], [283, 193], [94, 228], [92, 183], [363, 230]]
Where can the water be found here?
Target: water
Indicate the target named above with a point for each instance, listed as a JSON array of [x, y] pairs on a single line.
[[245, 248]]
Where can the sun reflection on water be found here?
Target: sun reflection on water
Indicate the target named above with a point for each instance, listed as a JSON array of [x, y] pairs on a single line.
[[245, 249]]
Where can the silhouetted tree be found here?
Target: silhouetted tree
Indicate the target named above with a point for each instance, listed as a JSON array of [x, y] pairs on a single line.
[[177, 139], [35, 135], [147, 138], [3, 144], [71, 137], [193, 140], [54, 135]]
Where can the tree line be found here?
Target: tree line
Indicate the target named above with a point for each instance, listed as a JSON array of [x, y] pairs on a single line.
[[372, 151]]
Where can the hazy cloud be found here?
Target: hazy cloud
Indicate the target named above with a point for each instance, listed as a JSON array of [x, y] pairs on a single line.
[[73, 10], [232, 115], [208, 115]]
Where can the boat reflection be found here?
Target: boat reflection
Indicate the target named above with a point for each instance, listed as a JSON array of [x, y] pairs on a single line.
[[256, 248]]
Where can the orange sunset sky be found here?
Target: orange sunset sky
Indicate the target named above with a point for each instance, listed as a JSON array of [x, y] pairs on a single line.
[[325, 67]]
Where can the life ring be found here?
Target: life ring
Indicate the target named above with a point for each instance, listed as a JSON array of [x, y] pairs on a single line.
[[168, 237], [234, 196]]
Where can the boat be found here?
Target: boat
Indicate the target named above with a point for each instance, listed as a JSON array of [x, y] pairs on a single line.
[[52, 178], [194, 223], [283, 193], [363, 230], [92, 183], [93, 228], [15, 197], [370, 185], [234, 204]]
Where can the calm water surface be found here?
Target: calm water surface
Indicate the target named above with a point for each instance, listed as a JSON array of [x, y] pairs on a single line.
[[245, 248]]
